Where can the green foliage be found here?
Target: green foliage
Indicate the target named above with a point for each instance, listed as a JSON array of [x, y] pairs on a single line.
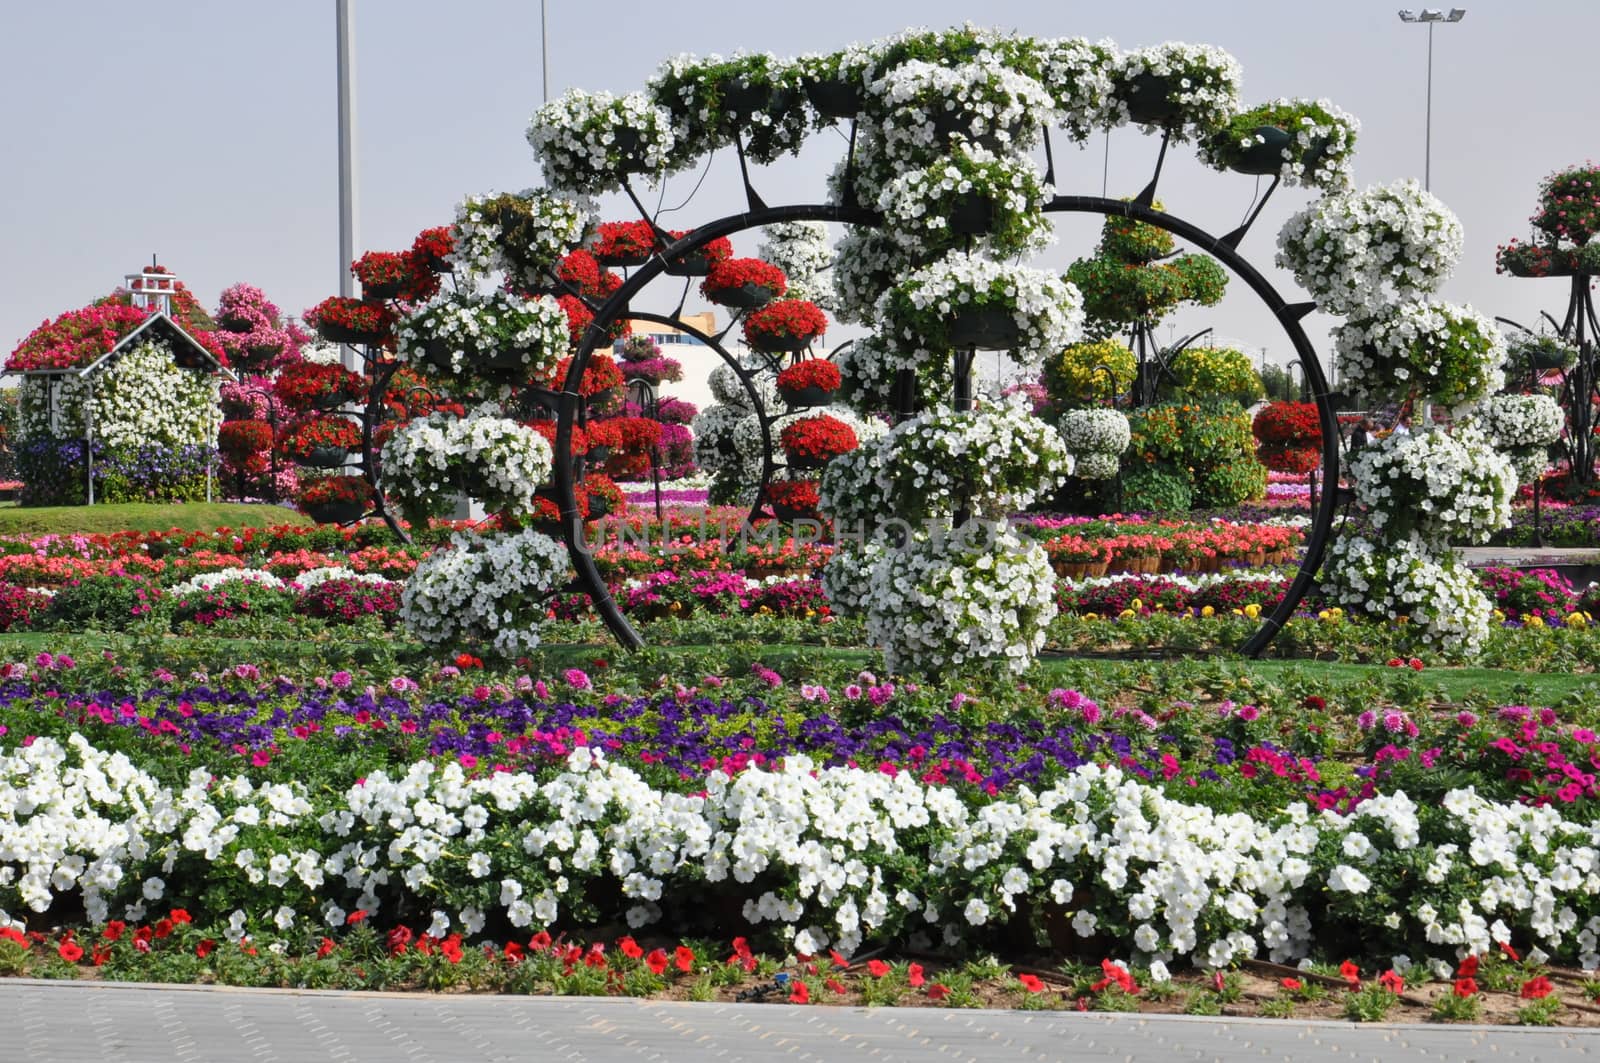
[[1217, 372], [1157, 489], [144, 516], [1124, 284], [1453, 1008], [1371, 1003], [1540, 1012], [1207, 445], [103, 603]]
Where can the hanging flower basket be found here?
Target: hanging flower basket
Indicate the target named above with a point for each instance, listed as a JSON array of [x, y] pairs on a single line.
[[744, 283], [623, 243], [812, 382], [342, 320], [432, 248], [382, 289], [812, 442], [335, 512], [321, 442], [784, 326], [323, 457], [972, 215], [698, 263], [1264, 157], [235, 324], [793, 499], [834, 97], [1149, 99], [984, 328]]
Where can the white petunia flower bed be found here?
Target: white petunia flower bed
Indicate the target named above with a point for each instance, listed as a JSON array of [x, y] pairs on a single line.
[[838, 855]]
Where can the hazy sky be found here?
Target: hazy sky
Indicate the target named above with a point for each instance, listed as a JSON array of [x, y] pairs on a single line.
[[205, 131]]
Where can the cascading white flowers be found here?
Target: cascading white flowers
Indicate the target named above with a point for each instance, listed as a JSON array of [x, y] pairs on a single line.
[[484, 455], [485, 589]]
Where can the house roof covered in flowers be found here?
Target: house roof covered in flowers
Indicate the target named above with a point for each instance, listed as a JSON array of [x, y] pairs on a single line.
[[187, 351]]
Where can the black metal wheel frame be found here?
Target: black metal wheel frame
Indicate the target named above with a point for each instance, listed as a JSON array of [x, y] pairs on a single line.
[[1139, 209]]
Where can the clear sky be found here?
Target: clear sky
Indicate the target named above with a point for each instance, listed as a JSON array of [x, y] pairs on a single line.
[[204, 130]]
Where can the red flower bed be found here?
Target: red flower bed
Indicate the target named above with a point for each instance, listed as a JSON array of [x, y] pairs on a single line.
[[1289, 422], [76, 338], [624, 239], [737, 272], [305, 383], [785, 319], [810, 373], [240, 439], [818, 438]]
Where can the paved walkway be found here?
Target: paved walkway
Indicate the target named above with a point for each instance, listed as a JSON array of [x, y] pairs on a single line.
[[51, 1022]]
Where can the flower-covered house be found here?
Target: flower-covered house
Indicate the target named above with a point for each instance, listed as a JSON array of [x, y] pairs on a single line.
[[119, 400]]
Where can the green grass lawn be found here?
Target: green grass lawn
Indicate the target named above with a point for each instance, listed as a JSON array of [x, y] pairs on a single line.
[[141, 516]]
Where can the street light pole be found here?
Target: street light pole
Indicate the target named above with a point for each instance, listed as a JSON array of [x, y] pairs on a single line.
[[347, 166], [1429, 16]]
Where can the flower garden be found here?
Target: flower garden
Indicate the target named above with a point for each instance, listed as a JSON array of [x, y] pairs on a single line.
[[937, 696]]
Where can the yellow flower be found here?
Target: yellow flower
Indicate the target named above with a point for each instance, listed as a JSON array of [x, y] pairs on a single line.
[[1126, 614], [1135, 605], [1578, 620], [1208, 611], [1091, 616], [1252, 610], [1535, 621], [1499, 615]]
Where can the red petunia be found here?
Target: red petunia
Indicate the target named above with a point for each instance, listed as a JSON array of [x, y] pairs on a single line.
[[163, 928], [113, 930], [1031, 983], [1466, 987], [540, 941], [1468, 967], [325, 949], [683, 958], [938, 991], [1292, 984], [801, 994], [630, 948], [656, 961], [1392, 981], [1536, 988], [835, 986], [203, 949], [181, 916], [70, 951], [914, 976], [1350, 973], [838, 960], [354, 917], [514, 952]]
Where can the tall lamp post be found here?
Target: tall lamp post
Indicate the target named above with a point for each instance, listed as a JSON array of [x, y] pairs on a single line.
[[1429, 16]]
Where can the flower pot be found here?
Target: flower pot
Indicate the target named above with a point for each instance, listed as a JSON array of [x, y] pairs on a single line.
[[323, 457], [335, 333], [1264, 157], [335, 512], [972, 215], [598, 455], [694, 264], [783, 511], [623, 260], [807, 396], [328, 403], [1095, 569], [951, 123], [1149, 99], [835, 97], [382, 289], [741, 99], [1071, 569], [744, 297], [770, 344], [599, 507], [806, 462], [233, 324], [985, 328]]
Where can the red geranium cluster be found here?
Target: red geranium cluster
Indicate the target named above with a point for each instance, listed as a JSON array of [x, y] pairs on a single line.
[[402, 272], [579, 318], [330, 489], [581, 270], [432, 245], [810, 373], [601, 374], [819, 438], [624, 239], [737, 272], [314, 433], [579, 444], [718, 250], [240, 439], [1289, 422], [799, 496], [305, 384], [597, 486], [786, 319], [353, 315]]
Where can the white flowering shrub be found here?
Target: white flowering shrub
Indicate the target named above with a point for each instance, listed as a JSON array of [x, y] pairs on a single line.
[[1434, 486], [1096, 465], [587, 142], [973, 596], [1436, 593], [1523, 427], [312, 578], [1197, 83], [427, 461], [466, 328], [1047, 310], [869, 367], [993, 460], [1356, 251], [847, 574], [210, 581], [522, 235], [484, 590], [850, 491], [867, 262], [1425, 350], [143, 399]]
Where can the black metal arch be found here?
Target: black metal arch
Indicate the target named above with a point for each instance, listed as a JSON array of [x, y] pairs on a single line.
[[1223, 248]]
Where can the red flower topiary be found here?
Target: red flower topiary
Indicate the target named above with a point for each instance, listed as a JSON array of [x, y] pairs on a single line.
[[1289, 422], [1289, 457], [395, 275], [796, 496], [810, 373], [737, 272], [818, 438]]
